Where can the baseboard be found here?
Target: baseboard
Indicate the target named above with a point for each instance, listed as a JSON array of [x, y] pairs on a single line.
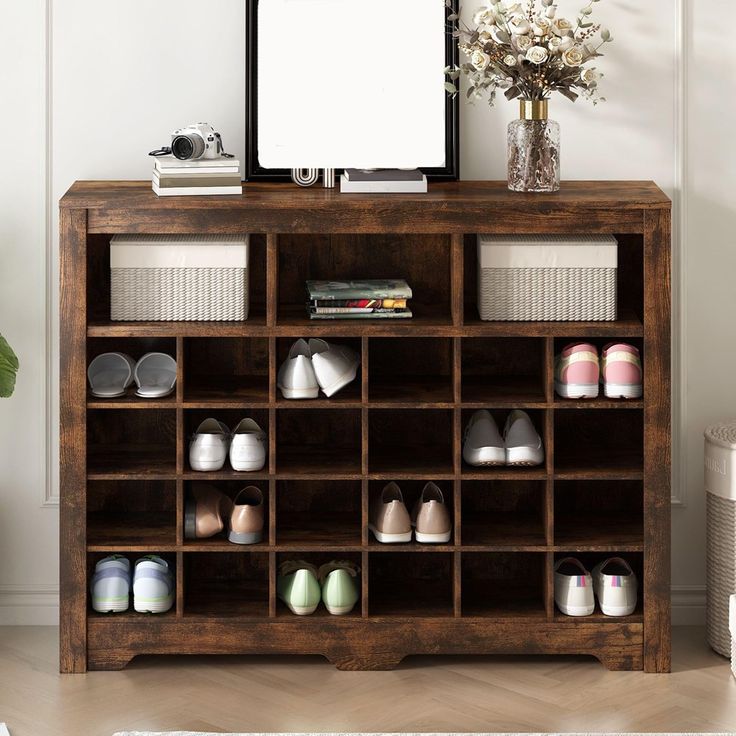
[[688, 605], [38, 605], [29, 605]]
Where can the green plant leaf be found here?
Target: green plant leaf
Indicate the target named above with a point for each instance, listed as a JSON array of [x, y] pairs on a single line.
[[8, 368]]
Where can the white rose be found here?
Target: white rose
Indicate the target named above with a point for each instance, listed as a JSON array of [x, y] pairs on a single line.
[[509, 60], [566, 43], [551, 11], [540, 27], [509, 6], [480, 60], [523, 43], [589, 76], [537, 55], [483, 16], [561, 26], [519, 25], [572, 57], [554, 44]]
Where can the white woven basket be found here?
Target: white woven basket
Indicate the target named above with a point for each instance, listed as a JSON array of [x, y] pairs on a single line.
[[720, 487], [550, 278], [179, 278]]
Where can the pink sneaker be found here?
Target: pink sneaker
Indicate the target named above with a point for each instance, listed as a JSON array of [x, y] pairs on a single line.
[[621, 371], [577, 371]]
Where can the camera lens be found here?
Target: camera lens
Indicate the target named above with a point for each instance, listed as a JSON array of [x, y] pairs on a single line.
[[185, 147]]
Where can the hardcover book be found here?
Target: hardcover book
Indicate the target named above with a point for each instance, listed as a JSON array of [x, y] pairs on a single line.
[[367, 289]]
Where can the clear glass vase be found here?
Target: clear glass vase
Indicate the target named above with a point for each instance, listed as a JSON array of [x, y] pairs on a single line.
[[534, 150]]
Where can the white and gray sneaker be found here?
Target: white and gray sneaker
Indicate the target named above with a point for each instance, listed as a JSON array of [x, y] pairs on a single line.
[[110, 586], [153, 585], [483, 444], [615, 585], [573, 588], [522, 441], [209, 446]]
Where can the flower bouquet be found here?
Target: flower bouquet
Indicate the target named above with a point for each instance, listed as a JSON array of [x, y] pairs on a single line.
[[529, 52]]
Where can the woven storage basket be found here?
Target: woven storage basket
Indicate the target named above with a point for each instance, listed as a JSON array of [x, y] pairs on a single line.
[[550, 278], [720, 487], [179, 278]]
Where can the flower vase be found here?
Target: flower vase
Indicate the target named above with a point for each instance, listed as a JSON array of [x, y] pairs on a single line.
[[533, 150]]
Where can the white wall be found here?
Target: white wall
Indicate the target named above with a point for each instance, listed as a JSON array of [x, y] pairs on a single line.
[[122, 75]]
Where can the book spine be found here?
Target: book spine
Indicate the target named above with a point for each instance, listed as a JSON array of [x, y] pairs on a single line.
[[361, 303]]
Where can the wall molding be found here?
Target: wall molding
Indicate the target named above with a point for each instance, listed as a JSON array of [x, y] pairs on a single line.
[[50, 489], [679, 281], [29, 605], [688, 605]]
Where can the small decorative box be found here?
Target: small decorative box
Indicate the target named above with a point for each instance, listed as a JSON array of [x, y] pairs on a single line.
[[179, 277], [547, 278]]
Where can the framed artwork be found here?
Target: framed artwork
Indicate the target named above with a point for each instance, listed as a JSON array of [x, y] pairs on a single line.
[[349, 83]]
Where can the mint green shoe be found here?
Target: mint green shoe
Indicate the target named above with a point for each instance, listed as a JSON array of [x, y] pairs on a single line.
[[298, 587], [339, 586]]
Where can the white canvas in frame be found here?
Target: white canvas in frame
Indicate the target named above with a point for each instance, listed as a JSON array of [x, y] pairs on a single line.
[[351, 83]]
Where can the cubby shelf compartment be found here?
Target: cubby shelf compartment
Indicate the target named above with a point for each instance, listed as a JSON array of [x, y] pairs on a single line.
[[226, 585], [125, 473], [131, 515], [502, 585], [226, 372]]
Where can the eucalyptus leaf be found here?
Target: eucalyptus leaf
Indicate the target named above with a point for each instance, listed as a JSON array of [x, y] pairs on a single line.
[[605, 34], [512, 93], [453, 16], [572, 96], [450, 87], [8, 368]]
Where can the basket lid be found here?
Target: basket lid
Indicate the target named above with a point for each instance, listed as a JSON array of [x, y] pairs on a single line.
[[723, 434]]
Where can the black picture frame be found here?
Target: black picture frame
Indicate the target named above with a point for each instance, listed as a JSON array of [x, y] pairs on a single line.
[[253, 169]]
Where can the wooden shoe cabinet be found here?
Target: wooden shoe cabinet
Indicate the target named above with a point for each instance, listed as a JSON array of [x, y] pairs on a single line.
[[604, 487]]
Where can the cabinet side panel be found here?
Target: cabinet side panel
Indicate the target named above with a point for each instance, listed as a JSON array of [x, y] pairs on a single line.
[[73, 441], [657, 441]]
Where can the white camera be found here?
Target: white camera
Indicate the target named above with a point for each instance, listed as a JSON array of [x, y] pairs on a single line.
[[196, 141]]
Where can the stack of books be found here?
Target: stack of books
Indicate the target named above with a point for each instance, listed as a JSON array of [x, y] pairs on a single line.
[[392, 181], [370, 299], [172, 177]]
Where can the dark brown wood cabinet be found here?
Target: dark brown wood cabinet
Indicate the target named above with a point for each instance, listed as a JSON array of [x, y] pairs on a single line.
[[604, 488]]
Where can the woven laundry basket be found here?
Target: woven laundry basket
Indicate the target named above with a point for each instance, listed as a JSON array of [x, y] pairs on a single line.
[[179, 277], [547, 278], [720, 487]]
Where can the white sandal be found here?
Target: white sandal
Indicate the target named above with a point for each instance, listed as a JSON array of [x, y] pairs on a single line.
[[155, 375], [110, 374]]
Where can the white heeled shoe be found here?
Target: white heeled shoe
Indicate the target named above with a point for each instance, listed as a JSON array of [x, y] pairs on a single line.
[[335, 366]]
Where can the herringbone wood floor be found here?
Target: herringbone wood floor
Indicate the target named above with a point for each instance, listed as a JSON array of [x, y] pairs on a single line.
[[308, 694]]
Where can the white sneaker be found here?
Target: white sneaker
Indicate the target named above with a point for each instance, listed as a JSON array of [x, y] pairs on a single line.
[[110, 587], [296, 378], [615, 585], [248, 446], [573, 588], [153, 585], [483, 444], [335, 366], [209, 446], [523, 443]]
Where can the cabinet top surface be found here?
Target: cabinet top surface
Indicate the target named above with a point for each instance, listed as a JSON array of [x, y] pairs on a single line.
[[137, 195]]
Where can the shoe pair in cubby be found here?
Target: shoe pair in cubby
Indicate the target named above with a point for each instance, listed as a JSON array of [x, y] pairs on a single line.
[[579, 370], [150, 583]]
